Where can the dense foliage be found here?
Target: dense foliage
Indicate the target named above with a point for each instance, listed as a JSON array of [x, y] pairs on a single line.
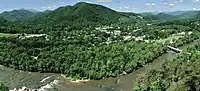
[[75, 59], [86, 53], [3, 87], [181, 74]]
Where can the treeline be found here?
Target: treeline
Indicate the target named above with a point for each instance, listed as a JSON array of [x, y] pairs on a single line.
[[181, 74]]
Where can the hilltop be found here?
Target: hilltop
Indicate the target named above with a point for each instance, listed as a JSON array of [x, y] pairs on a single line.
[[83, 13], [18, 15]]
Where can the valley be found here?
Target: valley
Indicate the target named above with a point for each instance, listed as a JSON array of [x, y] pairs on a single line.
[[91, 47]]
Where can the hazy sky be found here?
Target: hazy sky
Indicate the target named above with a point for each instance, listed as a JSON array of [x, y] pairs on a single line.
[[119, 5]]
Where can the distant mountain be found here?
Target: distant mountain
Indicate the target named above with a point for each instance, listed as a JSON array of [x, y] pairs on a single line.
[[130, 14], [159, 16], [154, 13], [16, 15], [197, 16], [189, 15], [83, 13], [184, 14], [175, 13], [149, 16], [163, 16]]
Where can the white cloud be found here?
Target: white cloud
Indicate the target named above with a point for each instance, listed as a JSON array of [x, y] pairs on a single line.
[[153, 4], [195, 0], [171, 4], [103, 0], [196, 8], [88, 1], [150, 4], [147, 4], [125, 7]]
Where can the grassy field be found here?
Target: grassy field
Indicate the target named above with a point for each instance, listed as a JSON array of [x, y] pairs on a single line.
[[8, 35]]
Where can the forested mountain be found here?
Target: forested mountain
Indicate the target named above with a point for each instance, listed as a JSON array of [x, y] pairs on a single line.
[[149, 16], [83, 13], [159, 16], [189, 15], [72, 17], [163, 16], [197, 16], [17, 15], [176, 15]]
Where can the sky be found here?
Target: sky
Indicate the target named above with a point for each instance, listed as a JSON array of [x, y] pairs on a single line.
[[137, 6]]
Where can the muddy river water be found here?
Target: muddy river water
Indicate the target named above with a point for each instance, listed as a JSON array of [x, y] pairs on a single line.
[[45, 81]]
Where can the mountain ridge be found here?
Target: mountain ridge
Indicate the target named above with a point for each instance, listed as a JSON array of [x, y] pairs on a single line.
[[175, 15], [83, 12], [17, 15]]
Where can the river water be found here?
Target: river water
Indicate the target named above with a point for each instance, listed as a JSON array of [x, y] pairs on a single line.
[[17, 79]]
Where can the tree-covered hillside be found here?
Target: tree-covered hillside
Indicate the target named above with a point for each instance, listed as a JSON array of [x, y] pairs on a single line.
[[181, 74], [71, 17], [159, 16], [163, 16], [17, 15], [81, 14], [149, 16]]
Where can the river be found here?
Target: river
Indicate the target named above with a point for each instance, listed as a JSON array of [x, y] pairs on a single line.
[[17, 79]]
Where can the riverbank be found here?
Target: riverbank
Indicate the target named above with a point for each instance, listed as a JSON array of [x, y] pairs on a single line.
[[16, 79], [77, 81]]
